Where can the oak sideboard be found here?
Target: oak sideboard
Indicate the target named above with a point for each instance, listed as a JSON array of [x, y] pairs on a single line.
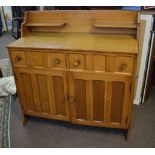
[[77, 66]]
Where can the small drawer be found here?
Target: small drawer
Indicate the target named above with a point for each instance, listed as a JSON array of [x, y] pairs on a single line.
[[99, 63], [58, 60], [77, 61], [37, 59], [124, 64], [18, 58]]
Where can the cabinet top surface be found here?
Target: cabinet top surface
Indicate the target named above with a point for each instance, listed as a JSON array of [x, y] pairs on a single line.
[[79, 42]]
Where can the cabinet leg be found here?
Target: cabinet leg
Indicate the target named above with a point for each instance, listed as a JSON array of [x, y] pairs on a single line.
[[25, 119], [127, 134]]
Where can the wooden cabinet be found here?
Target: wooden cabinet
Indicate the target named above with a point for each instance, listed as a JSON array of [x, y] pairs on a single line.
[[77, 66]]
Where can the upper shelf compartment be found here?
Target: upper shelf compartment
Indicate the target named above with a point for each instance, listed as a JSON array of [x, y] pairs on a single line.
[[81, 21]]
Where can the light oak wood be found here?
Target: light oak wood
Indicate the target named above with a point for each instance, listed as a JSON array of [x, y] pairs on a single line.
[[77, 61], [58, 60], [79, 42], [124, 64], [77, 66], [99, 63]]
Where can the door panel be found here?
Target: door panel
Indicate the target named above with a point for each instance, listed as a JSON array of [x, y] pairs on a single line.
[[80, 99], [43, 93], [117, 101], [27, 91], [58, 88], [99, 99]]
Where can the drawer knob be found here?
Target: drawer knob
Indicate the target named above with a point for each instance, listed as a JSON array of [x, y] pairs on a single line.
[[56, 61], [18, 58], [76, 63], [122, 67]]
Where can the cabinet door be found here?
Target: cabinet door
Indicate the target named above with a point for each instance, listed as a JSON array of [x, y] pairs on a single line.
[[101, 100], [42, 93]]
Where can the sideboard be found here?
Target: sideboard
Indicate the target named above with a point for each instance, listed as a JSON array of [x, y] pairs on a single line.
[[77, 66]]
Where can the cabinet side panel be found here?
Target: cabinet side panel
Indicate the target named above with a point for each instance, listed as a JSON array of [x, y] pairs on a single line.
[[80, 99], [98, 100], [58, 87], [43, 94], [117, 101]]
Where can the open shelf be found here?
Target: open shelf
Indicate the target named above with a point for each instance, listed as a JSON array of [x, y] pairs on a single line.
[[114, 25], [46, 24]]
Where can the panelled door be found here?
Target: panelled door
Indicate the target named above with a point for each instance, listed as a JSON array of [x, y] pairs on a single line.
[[43, 93], [100, 100]]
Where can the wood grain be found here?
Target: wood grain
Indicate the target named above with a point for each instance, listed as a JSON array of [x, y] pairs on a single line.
[[79, 42], [117, 101], [98, 100]]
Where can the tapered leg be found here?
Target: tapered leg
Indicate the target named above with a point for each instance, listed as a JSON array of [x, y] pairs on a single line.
[[127, 134], [25, 119]]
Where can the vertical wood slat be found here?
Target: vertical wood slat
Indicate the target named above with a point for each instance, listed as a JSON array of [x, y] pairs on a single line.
[[80, 99], [58, 88], [89, 100], [27, 90], [51, 94], [20, 90], [43, 93], [117, 101], [126, 102], [66, 94], [35, 93], [98, 100], [72, 94], [107, 105]]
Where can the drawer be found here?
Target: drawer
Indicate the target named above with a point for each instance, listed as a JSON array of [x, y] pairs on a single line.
[[99, 63], [124, 64], [37, 59], [58, 60], [18, 58], [77, 61]]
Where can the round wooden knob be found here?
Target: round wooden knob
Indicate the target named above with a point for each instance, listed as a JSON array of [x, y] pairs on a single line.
[[18, 58], [56, 61], [122, 67], [76, 63]]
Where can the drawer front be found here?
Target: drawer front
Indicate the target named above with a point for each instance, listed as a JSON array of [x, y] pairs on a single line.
[[18, 58], [58, 60], [123, 64], [37, 59], [77, 61], [99, 63]]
